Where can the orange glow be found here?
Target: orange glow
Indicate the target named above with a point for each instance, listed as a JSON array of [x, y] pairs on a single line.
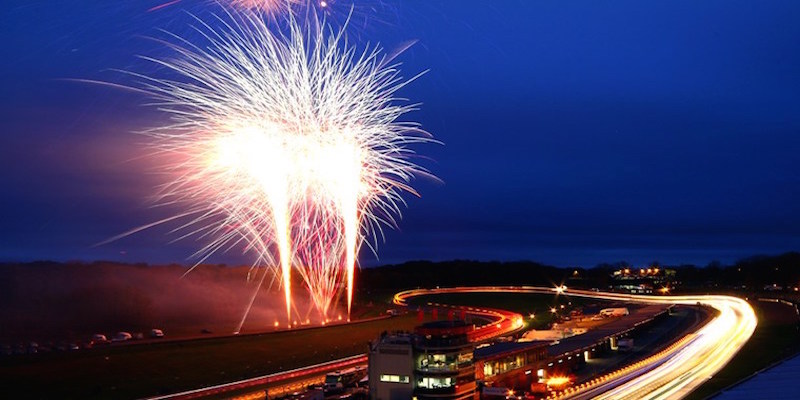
[[558, 381]]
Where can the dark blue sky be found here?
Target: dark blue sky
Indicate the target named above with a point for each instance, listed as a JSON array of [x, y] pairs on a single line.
[[575, 132]]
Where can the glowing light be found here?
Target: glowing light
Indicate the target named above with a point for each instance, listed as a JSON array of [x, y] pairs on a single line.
[[558, 381], [287, 145]]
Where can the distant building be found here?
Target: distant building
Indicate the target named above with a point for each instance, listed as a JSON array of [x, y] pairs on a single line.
[[642, 280]]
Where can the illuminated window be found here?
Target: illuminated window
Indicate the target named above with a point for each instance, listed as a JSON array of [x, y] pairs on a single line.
[[435, 382], [438, 362], [395, 378]]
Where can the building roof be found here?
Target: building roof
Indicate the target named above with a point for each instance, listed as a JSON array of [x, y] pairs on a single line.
[[622, 324], [444, 328], [507, 348], [395, 338], [444, 324]]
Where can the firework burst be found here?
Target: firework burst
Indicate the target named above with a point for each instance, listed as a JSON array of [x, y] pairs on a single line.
[[288, 144]]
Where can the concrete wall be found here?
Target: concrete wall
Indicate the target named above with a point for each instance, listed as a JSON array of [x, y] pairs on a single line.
[[391, 359]]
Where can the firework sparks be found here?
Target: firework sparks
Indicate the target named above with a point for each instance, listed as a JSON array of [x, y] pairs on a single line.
[[270, 7], [289, 143]]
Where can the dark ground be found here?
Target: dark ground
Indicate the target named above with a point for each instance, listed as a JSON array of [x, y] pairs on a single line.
[[136, 370]]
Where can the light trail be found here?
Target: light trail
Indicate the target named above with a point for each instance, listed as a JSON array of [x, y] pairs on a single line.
[[501, 322], [279, 379], [677, 373], [670, 374]]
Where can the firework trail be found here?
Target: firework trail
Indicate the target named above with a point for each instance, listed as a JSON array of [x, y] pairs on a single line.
[[286, 143]]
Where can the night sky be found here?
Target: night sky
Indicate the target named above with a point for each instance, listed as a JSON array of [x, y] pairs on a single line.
[[575, 132]]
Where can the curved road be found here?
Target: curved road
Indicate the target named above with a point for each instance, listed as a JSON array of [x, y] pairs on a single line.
[[670, 374]]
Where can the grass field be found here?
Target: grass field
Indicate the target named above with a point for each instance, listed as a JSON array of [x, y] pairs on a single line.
[[134, 371], [524, 303], [775, 338]]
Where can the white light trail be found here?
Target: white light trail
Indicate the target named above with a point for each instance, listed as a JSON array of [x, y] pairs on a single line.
[[670, 374]]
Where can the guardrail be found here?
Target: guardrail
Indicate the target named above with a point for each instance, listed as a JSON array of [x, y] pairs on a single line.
[[274, 378]]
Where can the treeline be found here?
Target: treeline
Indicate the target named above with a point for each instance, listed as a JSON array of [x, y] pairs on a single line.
[[753, 272], [414, 274]]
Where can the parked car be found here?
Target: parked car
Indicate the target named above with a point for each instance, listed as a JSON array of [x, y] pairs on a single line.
[[122, 337], [156, 333], [99, 338], [33, 348]]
